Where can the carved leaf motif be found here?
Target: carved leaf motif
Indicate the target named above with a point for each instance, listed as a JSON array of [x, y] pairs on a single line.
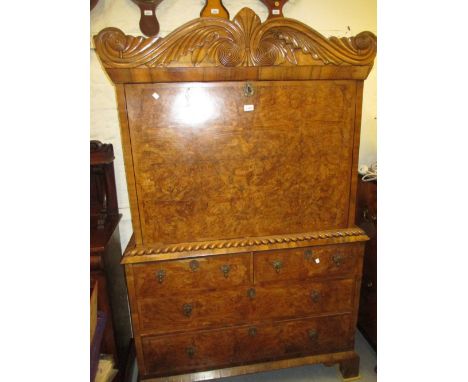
[[244, 41]]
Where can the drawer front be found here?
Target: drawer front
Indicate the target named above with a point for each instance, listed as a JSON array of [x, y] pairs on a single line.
[[301, 263], [188, 352], [203, 273], [302, 299], [184, 353], [294, 338], [180, 312]]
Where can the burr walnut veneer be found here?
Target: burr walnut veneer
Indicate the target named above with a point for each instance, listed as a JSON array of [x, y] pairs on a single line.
[[241, 142]]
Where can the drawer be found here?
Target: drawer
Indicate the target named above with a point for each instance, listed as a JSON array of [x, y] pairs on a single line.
[[203, 273], [302, 299], [191, 311], [294, 338], [184, 353], [301, 263]]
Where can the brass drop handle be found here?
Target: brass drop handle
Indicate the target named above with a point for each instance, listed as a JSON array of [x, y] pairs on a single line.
[[251, 293], [277, 264], [161, 275], [191, 350], [225, 269], [194, 265], [187, 309], [315, 296], [337, 259], [313, 334], [252, 331]]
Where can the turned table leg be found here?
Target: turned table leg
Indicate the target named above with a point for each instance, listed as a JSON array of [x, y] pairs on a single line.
[[349, 368]]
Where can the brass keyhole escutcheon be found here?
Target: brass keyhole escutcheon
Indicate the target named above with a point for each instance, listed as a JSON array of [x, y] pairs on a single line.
[[225, 269], [252, 332], [194, 265], [187, 309], [161, 276], [248, 90], [251, 293]]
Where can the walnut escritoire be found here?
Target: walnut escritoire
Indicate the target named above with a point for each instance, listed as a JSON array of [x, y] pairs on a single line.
[[241, 146]]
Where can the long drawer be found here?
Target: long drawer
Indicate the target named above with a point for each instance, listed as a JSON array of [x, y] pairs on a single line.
[[192, 311], [240, 345], [302, 263], [204, 273]]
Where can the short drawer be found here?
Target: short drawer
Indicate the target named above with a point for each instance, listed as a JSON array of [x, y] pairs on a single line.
[[301, 263], [302, 299], [203, 273], [193, 311], [294, 338], [189, 352]]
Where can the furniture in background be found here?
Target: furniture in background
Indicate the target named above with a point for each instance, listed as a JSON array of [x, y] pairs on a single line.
[[149, 24], [106, 254], [366, 218], [275, 7], [96, 323], [214, 8], [241, 143], [93, 4], [96, 343]]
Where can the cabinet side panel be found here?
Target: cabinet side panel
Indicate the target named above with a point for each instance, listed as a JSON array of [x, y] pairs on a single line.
[[135, 317], [128, 161], [355, 161]]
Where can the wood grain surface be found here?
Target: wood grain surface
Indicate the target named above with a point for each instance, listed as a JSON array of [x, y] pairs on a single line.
[[199, 274], [302, 263], [234, 346], [164, 313], [236, 173]]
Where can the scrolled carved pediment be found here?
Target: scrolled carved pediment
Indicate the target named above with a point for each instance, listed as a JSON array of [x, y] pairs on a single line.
[[245, 41]]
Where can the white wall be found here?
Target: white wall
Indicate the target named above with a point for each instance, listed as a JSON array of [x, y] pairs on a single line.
[[331, 17]]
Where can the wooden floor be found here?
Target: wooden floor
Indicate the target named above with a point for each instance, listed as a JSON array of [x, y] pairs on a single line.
[[316, 373]]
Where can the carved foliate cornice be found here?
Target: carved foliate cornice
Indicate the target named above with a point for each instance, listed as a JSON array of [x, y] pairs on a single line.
[[250, 244], [244, 41]]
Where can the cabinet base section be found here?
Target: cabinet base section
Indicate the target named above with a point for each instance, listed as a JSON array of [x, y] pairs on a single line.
[[348, 361]]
